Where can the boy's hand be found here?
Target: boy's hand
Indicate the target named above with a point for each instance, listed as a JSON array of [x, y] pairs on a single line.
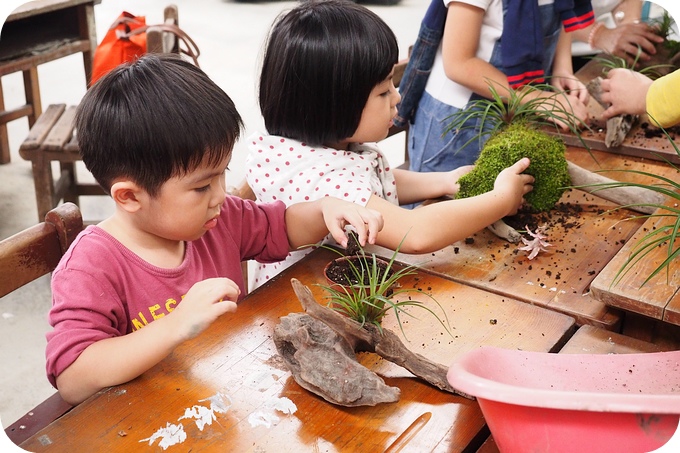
[[514, 184], [339, 213], [205, 301]]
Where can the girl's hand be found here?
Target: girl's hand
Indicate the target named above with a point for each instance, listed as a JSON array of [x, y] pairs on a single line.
[[205, 301], [514, 185], [454, 176], [339, 213]]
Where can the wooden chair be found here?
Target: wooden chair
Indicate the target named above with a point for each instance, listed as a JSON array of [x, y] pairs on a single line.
[[52, 138], [24, 257]]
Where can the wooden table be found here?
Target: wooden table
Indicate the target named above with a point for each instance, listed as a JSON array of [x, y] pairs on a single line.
[[35, 33], [643, 140], [235, 363], [658, 298], [559, 279]]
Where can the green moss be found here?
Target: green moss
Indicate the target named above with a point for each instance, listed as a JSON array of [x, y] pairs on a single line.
[[548, 164]]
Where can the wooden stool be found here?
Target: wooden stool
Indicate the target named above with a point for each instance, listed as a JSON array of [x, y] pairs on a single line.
[[52, 139]]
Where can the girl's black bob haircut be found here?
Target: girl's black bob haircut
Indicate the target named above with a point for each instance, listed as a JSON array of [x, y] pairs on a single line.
[[153, 119], [321, 62]]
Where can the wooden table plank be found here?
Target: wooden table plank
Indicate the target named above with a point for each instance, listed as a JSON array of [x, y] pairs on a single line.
[[591, 340], [236, 357], [657, 296], [559, 279]]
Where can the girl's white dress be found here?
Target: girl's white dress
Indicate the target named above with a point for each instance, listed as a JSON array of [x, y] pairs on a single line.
[[279, 168]]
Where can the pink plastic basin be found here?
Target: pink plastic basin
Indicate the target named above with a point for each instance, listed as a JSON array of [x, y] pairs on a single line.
[[542, 402]]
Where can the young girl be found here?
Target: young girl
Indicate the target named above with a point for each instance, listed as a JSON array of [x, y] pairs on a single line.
[[503, 44], [327, 96]]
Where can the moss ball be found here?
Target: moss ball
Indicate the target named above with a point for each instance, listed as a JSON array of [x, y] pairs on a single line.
[[548, 165]]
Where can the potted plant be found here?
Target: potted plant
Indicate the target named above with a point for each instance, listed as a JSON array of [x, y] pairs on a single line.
[[365, 287]]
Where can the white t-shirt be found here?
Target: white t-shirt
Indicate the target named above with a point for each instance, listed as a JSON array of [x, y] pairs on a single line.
[[279, 168], [444, 89]]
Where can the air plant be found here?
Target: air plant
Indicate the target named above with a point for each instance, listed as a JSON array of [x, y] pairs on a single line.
[[499, 111], [374, 290], [609, 62], [537, 244]]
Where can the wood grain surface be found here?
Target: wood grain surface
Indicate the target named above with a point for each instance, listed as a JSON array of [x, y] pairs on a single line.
[[235, 361]]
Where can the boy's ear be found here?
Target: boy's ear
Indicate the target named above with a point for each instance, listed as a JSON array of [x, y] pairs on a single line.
[[127, 195]]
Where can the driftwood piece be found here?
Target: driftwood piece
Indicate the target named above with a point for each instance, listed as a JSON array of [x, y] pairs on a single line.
[[625, 196], [505, 231], [617, 127], [322, 362], [370, 339]]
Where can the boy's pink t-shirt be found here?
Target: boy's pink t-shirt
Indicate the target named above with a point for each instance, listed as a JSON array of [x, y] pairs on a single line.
[[100, 289]]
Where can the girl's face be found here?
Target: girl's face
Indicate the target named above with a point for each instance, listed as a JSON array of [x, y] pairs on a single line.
[[376, 118], [189, 205]]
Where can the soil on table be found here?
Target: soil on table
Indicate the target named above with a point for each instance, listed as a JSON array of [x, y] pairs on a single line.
[[564, 215]]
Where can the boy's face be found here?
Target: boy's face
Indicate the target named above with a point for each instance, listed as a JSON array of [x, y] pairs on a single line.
[[188, 205], [378, 113]]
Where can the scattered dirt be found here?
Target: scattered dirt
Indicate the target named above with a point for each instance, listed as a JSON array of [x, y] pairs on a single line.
[[564, 215]]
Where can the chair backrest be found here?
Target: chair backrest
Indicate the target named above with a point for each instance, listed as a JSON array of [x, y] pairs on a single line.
[[36, 251], [158, 41]]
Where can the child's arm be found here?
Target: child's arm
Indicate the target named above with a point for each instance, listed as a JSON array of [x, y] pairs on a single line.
[[563, 70], [414, 186], [117, 360], [459, 50], [432, 227], [308, 223]]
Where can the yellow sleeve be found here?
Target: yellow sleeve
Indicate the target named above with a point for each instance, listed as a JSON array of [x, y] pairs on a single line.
[[663, 100]]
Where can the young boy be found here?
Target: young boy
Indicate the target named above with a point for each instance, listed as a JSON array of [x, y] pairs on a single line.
[[157, 135]]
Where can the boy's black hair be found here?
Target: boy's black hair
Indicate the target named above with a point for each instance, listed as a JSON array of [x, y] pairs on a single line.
[[154, 119], [321, 62]]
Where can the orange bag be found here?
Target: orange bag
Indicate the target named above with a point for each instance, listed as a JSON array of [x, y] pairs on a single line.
[[125, 41], [118, 45]]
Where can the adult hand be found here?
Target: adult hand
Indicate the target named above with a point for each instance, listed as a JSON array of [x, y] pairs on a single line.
[[628, 41], [626, 92]]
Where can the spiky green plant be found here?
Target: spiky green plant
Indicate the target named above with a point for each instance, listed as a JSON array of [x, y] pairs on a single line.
[[375, 291], [665, 235], [609, 62], [499, 111]]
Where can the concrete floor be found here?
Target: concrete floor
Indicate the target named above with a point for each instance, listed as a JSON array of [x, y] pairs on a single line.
[[230, 36]]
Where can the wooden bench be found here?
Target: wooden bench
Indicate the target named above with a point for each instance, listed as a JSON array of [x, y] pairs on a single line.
[[36, 33], [52, 138]]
